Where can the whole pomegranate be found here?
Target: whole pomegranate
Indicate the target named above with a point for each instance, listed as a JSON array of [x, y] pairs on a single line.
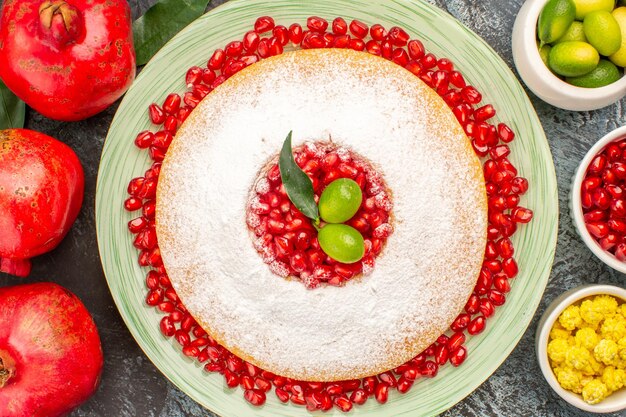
[[67, 59], [50, 352], [41, 192]]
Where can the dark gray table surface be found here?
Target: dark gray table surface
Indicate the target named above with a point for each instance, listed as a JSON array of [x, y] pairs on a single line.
[[131, 386]]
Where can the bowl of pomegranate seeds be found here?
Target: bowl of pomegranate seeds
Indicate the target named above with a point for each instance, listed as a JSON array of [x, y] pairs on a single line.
[[598, 199], [546, 84], [589, 374]]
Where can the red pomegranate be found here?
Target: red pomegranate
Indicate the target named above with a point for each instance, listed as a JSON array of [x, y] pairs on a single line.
[[67, 59], [50, 353], [41, 192]]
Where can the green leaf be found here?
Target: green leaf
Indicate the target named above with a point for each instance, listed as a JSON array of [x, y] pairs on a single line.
[[161, 22], [297, 184], [12, 109]]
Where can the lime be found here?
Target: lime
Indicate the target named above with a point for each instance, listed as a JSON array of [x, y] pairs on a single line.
[[584, 7], [603, 32], [619, 57], [574, 32], [340, 200], [554, 19], [604, 74], [341, 242], [573, 58], [544, 52]]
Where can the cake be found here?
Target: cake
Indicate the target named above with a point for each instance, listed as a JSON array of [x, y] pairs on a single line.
[[423, 276]]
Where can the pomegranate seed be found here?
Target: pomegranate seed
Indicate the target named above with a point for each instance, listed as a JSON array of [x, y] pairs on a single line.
[[295, 33], [620, 252], [357, 44], [613, 152], [167, 327], [283, 396], [381, 392], [373, 47], [501, 283], [359, 29], [137, 225], [317, 24], [343, 403], [486, 307], [398, 36], [471, 307], [496, 297], [263, 384], [388, 378], [313, 40], [144, 139], [255, 397], [263, 24], [133, 203], [172, 103], [456, 340], [441, 354], [340, 27], [461, 322], [483, 113], [404, 384], [429, 369], [182, 337], [217, 60], [458, 357], [358, 396], [476, 326], [193, 76], [456, 78], [415, 49], [521, 215], [281, 33], [378, 32], [471, 95], [414, 67], [505, 133], [157, 115]]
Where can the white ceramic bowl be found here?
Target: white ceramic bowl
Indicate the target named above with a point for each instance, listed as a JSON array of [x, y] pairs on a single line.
[[538, 77], [575, 205], [614, 402]]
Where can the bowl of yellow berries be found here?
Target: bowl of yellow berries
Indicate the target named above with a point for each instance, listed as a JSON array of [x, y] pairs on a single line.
[[581, 347], [572, 53]]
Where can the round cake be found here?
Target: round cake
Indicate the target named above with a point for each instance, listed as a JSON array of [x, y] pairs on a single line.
[[424, 274]]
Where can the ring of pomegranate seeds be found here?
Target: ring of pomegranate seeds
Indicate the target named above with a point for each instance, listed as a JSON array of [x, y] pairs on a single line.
[[489, 141]]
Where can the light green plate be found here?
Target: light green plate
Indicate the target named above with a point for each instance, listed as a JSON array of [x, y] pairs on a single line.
[[445, 37]]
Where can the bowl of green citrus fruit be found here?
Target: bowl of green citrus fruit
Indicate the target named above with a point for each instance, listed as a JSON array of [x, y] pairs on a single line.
[[572, 53]]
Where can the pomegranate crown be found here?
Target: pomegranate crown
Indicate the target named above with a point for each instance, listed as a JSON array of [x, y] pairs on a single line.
[[60, 23]]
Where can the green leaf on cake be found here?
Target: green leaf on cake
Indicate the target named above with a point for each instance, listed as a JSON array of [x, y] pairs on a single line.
[[297, 184]]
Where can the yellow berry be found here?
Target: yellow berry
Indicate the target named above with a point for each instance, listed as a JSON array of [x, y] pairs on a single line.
[[595, 391], [605, 304], [613, 327], [570, 317], [614, 379], [589, 314], [569, 379], [557, 349], [606, 351], [559, 333], [587, 338]]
